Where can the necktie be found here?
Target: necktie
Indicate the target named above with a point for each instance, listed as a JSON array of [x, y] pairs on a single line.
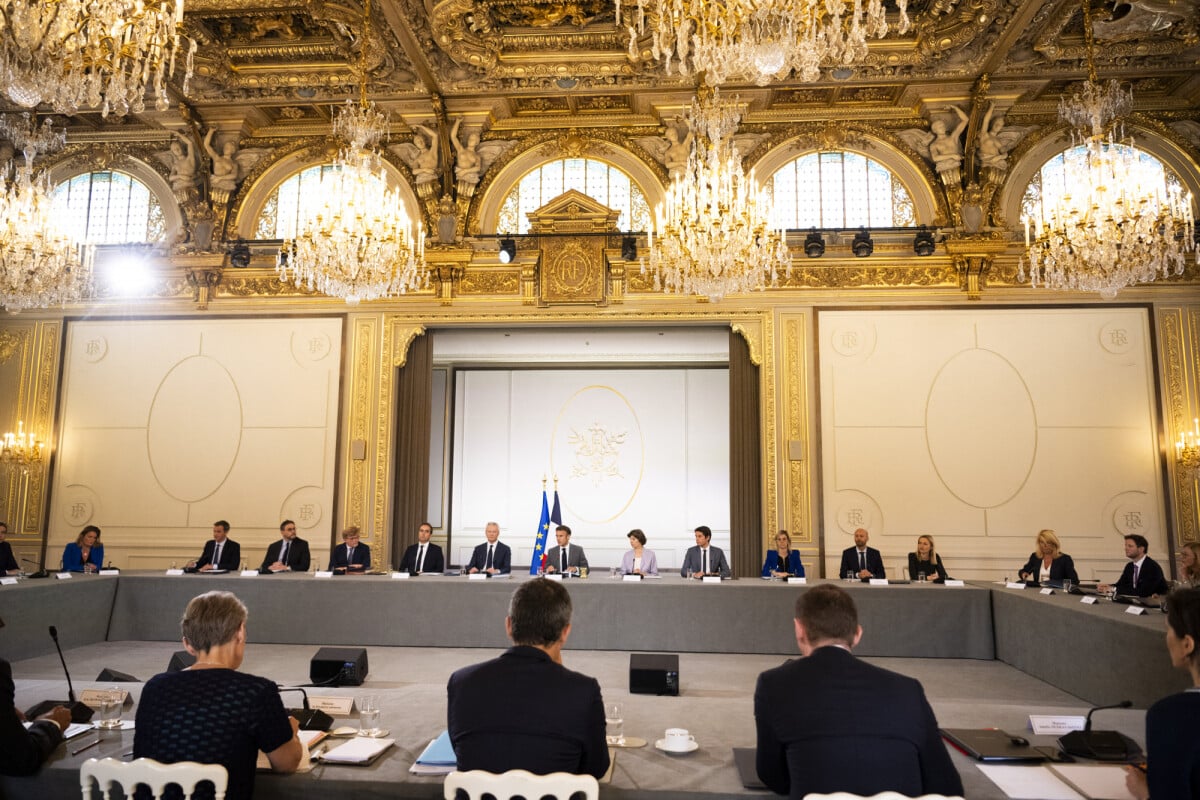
[[283, 556], [420, 557], [216, 562], [564, 559], [349, 555], [488, 564], [862, 560], [1135, 575], [704, 560]]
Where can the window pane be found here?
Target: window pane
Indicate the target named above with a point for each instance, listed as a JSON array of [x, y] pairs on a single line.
[[837, 189], [109, 208], [597, 179]]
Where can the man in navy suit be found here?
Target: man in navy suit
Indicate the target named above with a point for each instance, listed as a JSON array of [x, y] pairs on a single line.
[[1142, 576], [350, 558], [865, 562], [492, 557], [287, 554], [525, 710], [705, 558], [220, 552], [424, 556], [829, 722]]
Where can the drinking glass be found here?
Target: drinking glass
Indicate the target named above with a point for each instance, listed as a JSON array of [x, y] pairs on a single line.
[[1066, 585], [368, 716], [110, 709], [920, 577], [849, 574], [615, 723]]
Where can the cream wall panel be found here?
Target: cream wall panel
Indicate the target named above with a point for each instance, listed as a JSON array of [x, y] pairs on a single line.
[[169, 425]]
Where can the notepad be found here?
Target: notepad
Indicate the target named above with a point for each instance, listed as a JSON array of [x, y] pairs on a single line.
[[437, 758], [360, 751]]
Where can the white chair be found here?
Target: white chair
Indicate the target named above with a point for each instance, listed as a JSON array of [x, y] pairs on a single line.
[[880, 796], [156, 775], [505, 785]]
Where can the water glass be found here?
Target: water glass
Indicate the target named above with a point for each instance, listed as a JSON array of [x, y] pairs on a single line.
[[1066, 585], [920, 577], [849, 574], [615, 723], [368, 716], [110, 709]]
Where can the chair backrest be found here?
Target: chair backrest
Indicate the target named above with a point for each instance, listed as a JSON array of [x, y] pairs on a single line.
[[880, 796], [154, 774], [505, 785]]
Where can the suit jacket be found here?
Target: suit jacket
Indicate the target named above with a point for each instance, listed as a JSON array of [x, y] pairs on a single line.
[[1150, 580], [794, 567], [575, 557], [231, 554], [1061, 567], [716, 561], [72, 559], [649, 562], [434, 562], [501, 558], [850, 562], [832, 723], [298, 557], [8, 563], [362, 555], [22, 751], [1173, 746], [933, 571], [523, 711]]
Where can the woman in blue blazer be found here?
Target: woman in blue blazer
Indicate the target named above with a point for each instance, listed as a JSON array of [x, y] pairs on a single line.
[[1048, 562], [783, 561], [85, 554]]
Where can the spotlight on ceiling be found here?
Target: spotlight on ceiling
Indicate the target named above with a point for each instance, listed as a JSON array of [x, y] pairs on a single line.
[[239, 256], [628, 248], [814, 245], [508, 250], [923, 242], [862, 244]]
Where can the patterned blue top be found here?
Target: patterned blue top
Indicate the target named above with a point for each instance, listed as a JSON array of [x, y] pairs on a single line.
[[214, 716]]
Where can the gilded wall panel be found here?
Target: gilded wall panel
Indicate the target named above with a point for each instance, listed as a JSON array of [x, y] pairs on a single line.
[[364, 338], [794, 394]]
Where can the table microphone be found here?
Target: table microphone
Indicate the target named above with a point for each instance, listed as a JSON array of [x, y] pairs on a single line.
[[1101, 745], [80, 712], [41, 573], [310, 719]]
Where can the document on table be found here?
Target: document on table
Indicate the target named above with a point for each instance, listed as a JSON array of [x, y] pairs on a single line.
[[361, 750], [1096, 781], [437, 758], [1059, 781]]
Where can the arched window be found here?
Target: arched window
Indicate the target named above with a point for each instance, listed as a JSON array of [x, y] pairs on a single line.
[[293, 201], [108, 207], [838, 189], [600, 181], [1050, 183]]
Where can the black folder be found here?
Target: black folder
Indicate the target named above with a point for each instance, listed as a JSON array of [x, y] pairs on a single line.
[[991, 744]]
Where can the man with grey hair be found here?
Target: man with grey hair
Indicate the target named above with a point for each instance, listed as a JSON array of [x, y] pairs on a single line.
[[525, 710], [493, 557]]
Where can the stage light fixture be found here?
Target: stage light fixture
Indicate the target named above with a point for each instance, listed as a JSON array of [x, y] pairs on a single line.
[[508, 250], [239, 256], [862, 244], [814, 245], [923, 242], [629, 248]]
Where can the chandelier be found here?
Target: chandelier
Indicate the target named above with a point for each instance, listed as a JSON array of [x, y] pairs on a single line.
[[21, 449], [358, 243], [1117, 222], [83, 54], [712, 236], [1187, 450], [756, 40]]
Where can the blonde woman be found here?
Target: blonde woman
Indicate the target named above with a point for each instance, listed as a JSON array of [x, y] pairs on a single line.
[[1189, 566], [925, 560], [1048, 562]]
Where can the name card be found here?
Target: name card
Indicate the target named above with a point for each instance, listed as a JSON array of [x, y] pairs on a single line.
[[333, 706], [1137, 611], [477, 576], [1045, 725], [249, 573], [631, 578], [954, 582], [400, 576], [1047, 590], [1089, 600], [174, 572], [63, 576], [711, 579], [93, 697], [323, 573], [878, 582], [110, 572], [8, 581], [794, 579], [553, 576], [1014, 585]]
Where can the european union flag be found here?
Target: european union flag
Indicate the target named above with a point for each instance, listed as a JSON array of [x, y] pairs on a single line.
[[543, 532]]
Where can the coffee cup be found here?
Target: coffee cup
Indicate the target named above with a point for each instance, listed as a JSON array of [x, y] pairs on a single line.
[[678, 739]]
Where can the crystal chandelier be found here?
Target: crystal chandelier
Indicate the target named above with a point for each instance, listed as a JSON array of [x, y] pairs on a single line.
[[1187, 450], [84, 54], [358, 243], [712, 235], [755, 40], [21, 449], [1116, 223]]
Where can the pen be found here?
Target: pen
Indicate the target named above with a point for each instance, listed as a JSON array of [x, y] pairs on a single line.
[[87, 746]]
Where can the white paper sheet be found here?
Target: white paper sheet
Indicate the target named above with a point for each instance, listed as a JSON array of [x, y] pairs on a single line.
[[1028, 783], [1097, 781]]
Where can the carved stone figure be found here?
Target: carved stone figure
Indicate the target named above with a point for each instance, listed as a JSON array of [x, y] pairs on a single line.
[[941, 146], [996, 139], [672, 148], [229, 165], [180, 159], [475, 156], [421, 154]]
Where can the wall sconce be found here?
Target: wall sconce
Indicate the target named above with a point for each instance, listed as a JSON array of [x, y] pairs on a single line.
[[628, 248], [862, 244], [923, 244], [814, 245], [508, 250], [21, 449], [1187, 450]]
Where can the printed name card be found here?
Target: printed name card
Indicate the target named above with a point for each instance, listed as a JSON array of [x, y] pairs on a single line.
[[1137, 611], [632, 578], [1045, 725], [400, 576], [553, 576], [878, 581], [711, 579], [477, 576], [1089, 600], [323, 573], [110, 572], [1047, 590], [93, 697], [63, 576], [954, 582], [331, 705], [794, 579], [249, 573], [1014, 585], [174, 572], [8, 581]]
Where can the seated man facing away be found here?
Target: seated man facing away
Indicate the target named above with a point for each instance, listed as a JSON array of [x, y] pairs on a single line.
[[829, 722], [23, 751], [525, 710]]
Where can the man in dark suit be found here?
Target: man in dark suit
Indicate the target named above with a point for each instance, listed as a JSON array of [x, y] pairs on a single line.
[[525, 710], [350, 558], [23, 751], [865, 562], [288, 554], [424, 556], [565, 557], [828, 722], [492, 557], [220, 552], [1142, 576], [704, 558], [8, 562]]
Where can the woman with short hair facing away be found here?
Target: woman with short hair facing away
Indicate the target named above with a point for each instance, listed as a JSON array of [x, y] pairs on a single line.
[[212, 713]]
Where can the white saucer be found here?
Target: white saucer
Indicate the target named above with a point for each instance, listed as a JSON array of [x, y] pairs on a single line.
[[692, 747]]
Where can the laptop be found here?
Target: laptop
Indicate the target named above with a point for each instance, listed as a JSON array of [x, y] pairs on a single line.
[[744, 760], [992, 745]]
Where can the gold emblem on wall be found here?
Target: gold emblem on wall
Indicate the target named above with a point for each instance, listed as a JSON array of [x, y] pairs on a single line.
[[573, 267]]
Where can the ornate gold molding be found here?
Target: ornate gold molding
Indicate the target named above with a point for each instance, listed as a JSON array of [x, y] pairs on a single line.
[[795, 425], [753, 334], [1176, 326], [364, 337]]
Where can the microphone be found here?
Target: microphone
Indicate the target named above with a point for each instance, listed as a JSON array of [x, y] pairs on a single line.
[[310, 719], [80, 712], [1101, 745], [40, 573]]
